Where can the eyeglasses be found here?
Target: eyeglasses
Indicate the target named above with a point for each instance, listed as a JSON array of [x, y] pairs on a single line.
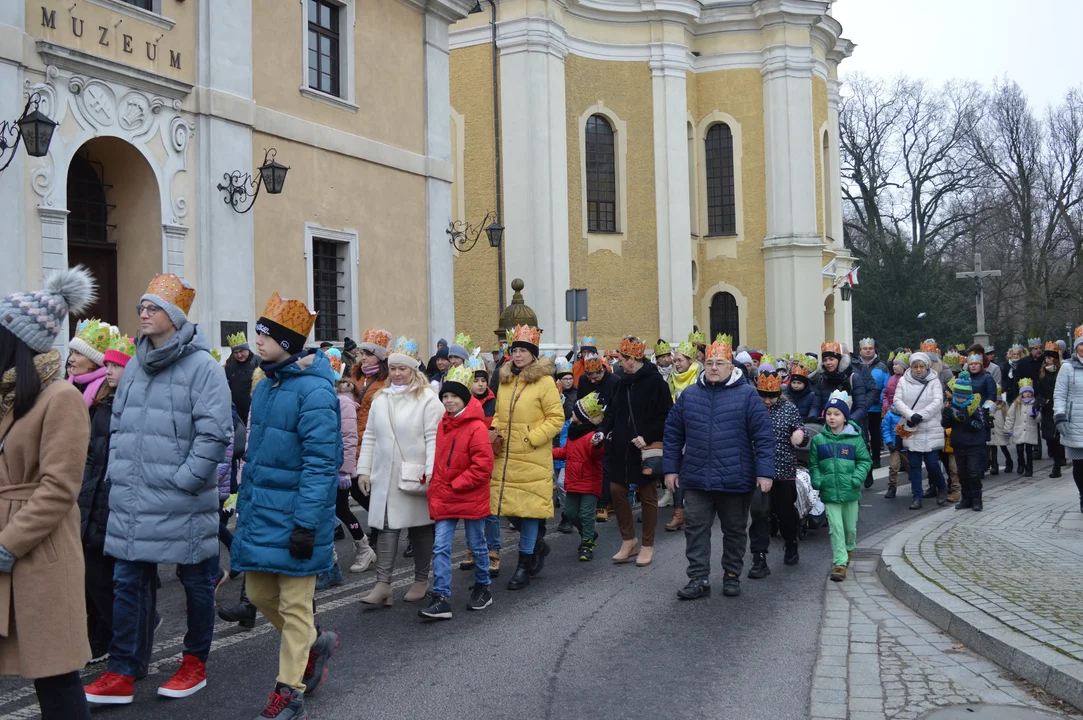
[[150, 310]]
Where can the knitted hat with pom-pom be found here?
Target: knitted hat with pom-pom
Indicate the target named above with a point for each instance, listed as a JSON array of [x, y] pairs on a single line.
[[37, 317]]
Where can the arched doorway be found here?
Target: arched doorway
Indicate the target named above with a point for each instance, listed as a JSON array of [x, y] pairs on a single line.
[[724, 317], [114, 226]]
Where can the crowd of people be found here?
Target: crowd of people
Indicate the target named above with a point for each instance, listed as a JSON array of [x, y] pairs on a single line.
[[281, 437]]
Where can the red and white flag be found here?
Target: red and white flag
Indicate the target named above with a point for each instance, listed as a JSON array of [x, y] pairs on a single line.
[[851, 277]]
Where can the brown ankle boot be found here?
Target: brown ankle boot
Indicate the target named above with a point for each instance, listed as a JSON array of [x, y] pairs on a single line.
[[677, 522]]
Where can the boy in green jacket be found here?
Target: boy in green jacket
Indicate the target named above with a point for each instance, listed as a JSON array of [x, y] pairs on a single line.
[[838, 463]]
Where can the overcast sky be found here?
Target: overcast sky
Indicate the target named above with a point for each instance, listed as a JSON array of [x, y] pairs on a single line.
[[1036, 43]]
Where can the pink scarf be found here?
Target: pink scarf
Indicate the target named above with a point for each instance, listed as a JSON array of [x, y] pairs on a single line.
[[93, 382]]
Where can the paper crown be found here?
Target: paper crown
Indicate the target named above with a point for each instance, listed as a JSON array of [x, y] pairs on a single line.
[[563, 367], [593, 362], [1034, 342], [929, 346], [1052, 347], [477, 365], [217, 355], [290, 314], [768, 359], [721, 348], [334, 356], [840, 396], [1017, 347], [463, 340], [405, 346], [1078, 332], [380, 338], [989, 348], [976, 358], [769, 382], [122, 344], [588, 342], [1026, 384], [687, 349], [831, 347], [960, 347], [92, 338], [460, 374], [633, 347], [173, 290], [697, 337], [867, 341], [953, 359], [524, 334], [663, 348], [903, 358], [236, 340], [591, 406]]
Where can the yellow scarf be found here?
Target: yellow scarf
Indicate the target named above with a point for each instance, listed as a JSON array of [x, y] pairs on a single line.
[[679, 381], [48, 367]]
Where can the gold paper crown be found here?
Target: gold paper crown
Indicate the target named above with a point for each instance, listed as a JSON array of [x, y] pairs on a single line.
[[929, 346], [831, 347], [96, 334], [1052, 347], [592, 362], [662, 348], [463, 340], [721, 348], [769, 382], [633, 347], [697, 337], [525, 333], [953, 359], [1026, 383], [381, 338], [1078, 332], [173, 290], [236, 340], [460, 374], [799, 370], [290, 314]]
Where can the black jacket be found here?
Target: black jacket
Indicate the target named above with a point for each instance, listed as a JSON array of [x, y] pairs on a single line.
[[639, 407], [844, 378], [605, 388], [94, 493], [239, 377], [569, 399]]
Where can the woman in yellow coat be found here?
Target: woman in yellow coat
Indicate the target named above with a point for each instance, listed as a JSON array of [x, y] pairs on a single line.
[[529, 414]]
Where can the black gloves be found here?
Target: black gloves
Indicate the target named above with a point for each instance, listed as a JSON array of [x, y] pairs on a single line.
[[914, 420], [891, 447], [302, 541], [1060, 419]]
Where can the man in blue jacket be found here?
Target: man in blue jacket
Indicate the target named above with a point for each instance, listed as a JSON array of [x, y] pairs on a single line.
[[286, 505], [880, 373], [725, 432]]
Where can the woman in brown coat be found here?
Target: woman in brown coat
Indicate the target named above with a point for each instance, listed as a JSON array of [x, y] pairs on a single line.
[[43, 632]]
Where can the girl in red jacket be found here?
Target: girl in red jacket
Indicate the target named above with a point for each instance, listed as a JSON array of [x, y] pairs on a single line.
[[459, 490], [582, 455]]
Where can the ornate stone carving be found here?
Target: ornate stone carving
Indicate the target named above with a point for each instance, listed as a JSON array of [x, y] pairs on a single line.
[[179, 132], [97, 102], [134, 113]]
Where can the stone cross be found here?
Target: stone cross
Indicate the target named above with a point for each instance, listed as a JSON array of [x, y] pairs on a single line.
[[980, 337]]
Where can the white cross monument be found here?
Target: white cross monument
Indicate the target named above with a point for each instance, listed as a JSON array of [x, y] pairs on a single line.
[[980, 337]]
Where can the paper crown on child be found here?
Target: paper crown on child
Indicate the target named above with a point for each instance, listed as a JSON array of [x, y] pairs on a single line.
[[721, 348], [588, 342], [840, 400], [1026, 385], [929, 346], [805, 365], [237, 341], [477, 366], [633, 347], [687, 349], [460, 374], [953, 359], [903, 359], [593, 362], [589, 409], [769, 360], [334, 356], [662, 348], [1017, 347], [287, 322], [831, 348], [464, 341], [769, 382], [563, 367], [121, 350], [697, 337], [92, 338]]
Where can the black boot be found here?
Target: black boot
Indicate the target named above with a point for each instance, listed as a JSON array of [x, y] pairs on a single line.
[[791, 557], [541, 549], [891, 491], [1008, 465], [1021, 465], [759, 569], [994, 468], [965, 503], [521, 578], [696, 588], [976, 505], [243, 613], [1056, 469]]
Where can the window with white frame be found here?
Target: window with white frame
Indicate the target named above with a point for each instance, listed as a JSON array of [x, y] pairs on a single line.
[[328, 51], [603, 162], [331, 257]]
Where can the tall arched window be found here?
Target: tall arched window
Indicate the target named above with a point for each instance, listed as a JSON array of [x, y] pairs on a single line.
[[721, 195], [724, 317], [601, 175]]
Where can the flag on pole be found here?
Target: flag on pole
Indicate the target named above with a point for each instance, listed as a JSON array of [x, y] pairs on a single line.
[[851, 277]]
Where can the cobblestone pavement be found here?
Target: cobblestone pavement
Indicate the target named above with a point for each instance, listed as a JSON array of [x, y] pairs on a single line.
[[879, 660]]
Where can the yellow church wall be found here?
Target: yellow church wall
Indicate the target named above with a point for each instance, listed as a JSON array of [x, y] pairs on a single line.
[[127, 38], [623, 290], [738, 93], [819, 117], [476, 299], [389, 71], [385, 207]]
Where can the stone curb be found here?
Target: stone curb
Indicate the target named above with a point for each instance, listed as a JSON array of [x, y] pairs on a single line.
[[1057, 674]]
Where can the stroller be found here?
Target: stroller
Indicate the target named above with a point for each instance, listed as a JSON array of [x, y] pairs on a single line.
[[809, 506]]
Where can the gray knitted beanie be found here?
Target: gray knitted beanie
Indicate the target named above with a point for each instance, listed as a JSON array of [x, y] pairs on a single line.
[[37, 317]]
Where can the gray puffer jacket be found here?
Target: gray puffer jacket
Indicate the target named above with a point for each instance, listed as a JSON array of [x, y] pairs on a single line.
[[1068, 402], [171, 424]]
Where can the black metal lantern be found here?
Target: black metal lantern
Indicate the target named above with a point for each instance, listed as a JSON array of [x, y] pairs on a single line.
[[34, 128], [845, 292], [274, 175], [495, 233], [239, 188]]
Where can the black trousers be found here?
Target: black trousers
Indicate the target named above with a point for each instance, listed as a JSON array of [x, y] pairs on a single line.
[[780, 503], [968, 464], [99, 599], [1077, 475], [61, 697], [363, 500], [343, 513], [875, 438]]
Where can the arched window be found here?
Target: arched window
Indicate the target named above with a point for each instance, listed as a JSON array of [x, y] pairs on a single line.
[[721, 196], [601, 175], [724, 317]]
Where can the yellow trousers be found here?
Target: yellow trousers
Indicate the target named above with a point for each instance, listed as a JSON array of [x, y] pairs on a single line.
[[287, 602]]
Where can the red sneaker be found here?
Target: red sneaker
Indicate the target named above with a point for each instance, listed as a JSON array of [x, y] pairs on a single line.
[[188, 680], [111, 689]]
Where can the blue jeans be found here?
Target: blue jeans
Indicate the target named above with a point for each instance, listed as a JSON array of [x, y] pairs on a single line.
[[932, 463], [441, 553], [528, 533], [134, 613], [492, 533]]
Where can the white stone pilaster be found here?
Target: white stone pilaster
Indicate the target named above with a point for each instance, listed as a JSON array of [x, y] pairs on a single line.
[[844, 311], [793, 248], [441, 271], [834, 183], [54, 252], [13, 181], [535, 167], [669, 64]]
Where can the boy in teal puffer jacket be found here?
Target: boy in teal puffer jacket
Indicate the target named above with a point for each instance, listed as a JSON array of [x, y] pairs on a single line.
[[838, 463]]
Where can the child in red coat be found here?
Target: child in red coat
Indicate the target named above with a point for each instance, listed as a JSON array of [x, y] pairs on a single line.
[[582, 454], [459, 490]]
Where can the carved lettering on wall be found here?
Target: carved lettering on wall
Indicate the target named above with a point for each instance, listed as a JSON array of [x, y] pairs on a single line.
[[152, 52], [48, 18], [102, 41], [174, 60], [128, 44], [77, 30]]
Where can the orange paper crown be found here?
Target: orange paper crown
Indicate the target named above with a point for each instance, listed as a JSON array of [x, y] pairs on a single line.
[[830, 347], [290, 314], [632, 347], [527, 334], [799, 370], [592, 362], [377, 337], [1078, 332], [173, 290], [929, 346], [769, 382], [721, 348], [1052, 347]]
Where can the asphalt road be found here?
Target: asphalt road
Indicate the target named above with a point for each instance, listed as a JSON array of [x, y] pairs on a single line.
[[584, 640]]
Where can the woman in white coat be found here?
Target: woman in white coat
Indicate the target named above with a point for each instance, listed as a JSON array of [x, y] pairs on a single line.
[[919, 398], [401, 430], [1068, 409]]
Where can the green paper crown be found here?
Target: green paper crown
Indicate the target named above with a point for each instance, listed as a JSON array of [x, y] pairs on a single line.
[[809, 362], [122, 344], [463, 340], [697, 338], [768, 359], [236, 340], [216, 355], [953, 359], [460, 374], [592, 407], [687, 349], [97, 334]]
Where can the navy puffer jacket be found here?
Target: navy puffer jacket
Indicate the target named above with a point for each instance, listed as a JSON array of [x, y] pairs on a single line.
[[726, 435]]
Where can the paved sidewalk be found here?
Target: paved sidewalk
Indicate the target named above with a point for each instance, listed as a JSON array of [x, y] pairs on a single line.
[[1006, 582]]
